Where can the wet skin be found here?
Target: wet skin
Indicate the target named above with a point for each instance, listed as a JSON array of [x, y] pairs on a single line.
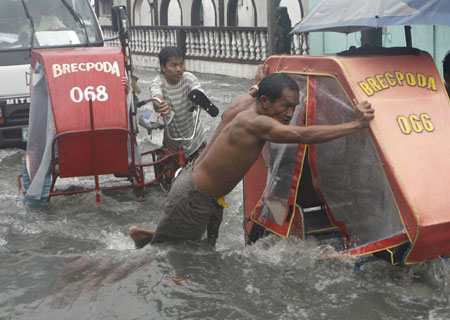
[[239, 142]]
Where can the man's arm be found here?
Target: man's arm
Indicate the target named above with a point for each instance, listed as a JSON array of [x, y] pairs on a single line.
[[156, 91], [272, 130]]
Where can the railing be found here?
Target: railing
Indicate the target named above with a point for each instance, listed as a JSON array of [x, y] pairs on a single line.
[[233, 44], [299, 44]]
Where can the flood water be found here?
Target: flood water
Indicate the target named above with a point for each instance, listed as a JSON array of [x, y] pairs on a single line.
[[72, 260]]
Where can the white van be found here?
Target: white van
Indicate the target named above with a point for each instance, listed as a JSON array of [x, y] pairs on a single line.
[[30, 24]]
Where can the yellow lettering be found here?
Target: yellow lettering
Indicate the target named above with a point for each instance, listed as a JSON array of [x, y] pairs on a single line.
[[410, 79], [381, 81], [390, 79], [400, 77], [427, 123], [374, 84], [404, 125], [421, 80], [366, 88], [432, 84], [416, 123]]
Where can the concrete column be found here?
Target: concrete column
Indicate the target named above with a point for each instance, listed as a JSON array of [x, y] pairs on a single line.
[[271, 25], [278, 28], [221, 13]]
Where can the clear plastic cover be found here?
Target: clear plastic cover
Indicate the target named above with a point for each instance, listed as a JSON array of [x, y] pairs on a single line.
[[281, 167], [350, 174]]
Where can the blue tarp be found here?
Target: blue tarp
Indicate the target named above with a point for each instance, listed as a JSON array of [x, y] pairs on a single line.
[[349, 15]]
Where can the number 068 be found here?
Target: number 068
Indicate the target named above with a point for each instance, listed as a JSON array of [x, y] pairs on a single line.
[[89, 93]]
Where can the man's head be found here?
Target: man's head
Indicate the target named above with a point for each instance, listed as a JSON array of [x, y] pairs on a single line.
[[446, 69], [171, 62], [278, 95]]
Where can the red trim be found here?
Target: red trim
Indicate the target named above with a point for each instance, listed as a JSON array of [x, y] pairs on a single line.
[[380, 245], [297, 228], [283, 230], [312, 157]]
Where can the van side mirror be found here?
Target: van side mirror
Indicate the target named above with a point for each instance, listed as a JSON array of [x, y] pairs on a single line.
[[119, 19]]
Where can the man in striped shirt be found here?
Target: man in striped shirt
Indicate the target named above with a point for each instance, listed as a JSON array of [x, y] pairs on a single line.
[[172, 86]]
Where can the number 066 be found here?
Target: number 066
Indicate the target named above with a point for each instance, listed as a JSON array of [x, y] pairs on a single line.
[[90, 93], [415, 123]]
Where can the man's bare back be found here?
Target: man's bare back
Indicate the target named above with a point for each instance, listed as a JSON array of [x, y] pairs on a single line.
[[229, 156]]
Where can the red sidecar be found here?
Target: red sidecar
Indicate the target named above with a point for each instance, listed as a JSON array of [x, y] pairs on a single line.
[[79, 125], [384, 190]]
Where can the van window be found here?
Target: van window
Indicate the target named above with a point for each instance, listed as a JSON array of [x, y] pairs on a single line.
[[47, 23]]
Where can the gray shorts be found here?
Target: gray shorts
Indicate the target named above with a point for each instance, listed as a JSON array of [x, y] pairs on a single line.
[[188, 212]]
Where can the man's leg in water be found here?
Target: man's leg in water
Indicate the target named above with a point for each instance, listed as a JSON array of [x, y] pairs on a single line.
[[141, 237], [212, 230]]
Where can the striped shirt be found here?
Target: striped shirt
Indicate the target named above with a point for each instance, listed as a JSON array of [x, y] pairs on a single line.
[[182, 125]]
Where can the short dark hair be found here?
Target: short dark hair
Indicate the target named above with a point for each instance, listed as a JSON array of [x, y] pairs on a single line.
[[446, 63], [272, 86], [169, 52]]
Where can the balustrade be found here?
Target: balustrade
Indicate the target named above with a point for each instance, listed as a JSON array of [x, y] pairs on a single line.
[[244, 44]]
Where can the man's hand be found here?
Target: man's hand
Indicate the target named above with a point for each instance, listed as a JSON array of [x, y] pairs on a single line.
[[261, 73], [126, 84], [365, 113], [162, 108]]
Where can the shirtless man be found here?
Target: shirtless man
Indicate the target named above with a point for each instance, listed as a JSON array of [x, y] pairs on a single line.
[[245, 127]]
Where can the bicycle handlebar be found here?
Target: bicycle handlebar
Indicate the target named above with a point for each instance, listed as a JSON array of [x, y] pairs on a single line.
[[197, 118]]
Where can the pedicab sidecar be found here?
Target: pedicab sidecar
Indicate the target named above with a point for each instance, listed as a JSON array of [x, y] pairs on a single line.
[[385, 190], [80, 125]]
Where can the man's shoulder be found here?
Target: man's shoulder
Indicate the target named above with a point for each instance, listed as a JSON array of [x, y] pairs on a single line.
[[189, 76], [257, 123], [158, 79]]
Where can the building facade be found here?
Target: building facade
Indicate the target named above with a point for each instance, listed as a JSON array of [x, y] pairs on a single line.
[[218, 36], [231, 36], [208, 13]]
